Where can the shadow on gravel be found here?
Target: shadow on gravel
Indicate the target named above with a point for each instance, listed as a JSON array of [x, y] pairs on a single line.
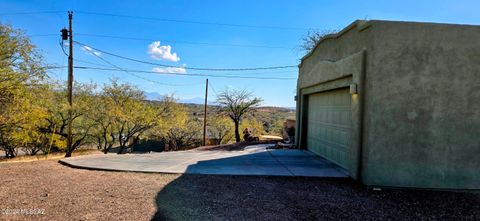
[[208, 197]]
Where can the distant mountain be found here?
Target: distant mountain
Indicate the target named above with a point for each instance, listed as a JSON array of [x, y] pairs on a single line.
[[195, 100], [153, 96]]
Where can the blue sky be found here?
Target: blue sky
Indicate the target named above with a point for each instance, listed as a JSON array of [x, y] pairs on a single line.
[[304, 15]]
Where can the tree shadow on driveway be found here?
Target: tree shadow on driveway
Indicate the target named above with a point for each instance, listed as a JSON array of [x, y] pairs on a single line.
[[220, 197]]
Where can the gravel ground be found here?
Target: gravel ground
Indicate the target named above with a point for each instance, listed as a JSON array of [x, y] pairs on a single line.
[[64, 193]]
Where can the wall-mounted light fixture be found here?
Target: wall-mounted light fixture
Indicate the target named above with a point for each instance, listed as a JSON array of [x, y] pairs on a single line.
[[353, 88]]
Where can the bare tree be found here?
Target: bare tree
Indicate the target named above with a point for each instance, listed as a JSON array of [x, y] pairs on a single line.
[[237, 103], [311, 39]]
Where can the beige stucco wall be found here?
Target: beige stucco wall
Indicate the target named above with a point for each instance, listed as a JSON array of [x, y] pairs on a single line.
[[417, 114], [339, 61], [422, 112]]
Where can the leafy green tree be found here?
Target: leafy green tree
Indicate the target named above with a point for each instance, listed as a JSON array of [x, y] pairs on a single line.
[[132, 116], [184, 136], [103, 133], [57, 119], [237, 103], [175, 126], [253, 125], [278, 127], [221, 128], [21, 75], [28, 135]]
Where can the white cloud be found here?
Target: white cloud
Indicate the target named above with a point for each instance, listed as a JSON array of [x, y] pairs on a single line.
[[162, 52], [171, 70], [89, 50]]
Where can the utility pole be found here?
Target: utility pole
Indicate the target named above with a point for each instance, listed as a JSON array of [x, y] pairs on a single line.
[[69, 34], [205, 116]]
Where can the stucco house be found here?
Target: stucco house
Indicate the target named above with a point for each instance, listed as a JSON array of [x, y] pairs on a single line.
[[395, 104]]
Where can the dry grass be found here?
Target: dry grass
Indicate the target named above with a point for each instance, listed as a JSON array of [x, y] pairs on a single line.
[[51, 156]]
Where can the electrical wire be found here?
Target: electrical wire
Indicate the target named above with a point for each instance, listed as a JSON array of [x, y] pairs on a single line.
[[101, 68], [62, 46], [243, 74], [133, 74], [260, 73], [32, 13], [92, 53], [102, 65], [213, 89], [189, 68], [54, 67], [63, 64], [171, 41], [186, 74], [193, 22], [41, 35], [184, 42], [92, 63], [162, 20]]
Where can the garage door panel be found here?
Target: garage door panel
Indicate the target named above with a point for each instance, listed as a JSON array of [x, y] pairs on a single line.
[[329, 125]]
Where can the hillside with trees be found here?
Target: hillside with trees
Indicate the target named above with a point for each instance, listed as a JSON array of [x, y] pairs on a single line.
[[116, 116], [270, 118]]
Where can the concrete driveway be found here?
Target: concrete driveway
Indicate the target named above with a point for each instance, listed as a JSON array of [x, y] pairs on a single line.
[[254, 160]]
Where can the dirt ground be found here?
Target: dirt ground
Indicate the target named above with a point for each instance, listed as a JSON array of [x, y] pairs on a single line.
[[63, 193]]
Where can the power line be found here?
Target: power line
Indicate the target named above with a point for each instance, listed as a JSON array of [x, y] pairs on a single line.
[[42, 35], [146, 79], [54, 67], [79, 60], [213, 89], [171, 41], [133, 74], [162, 20], [32, 13], [261, 73], [193, 22], [185, 74], [184, 42], [92, 63], [61, 46], [243, 74], [189, 68]]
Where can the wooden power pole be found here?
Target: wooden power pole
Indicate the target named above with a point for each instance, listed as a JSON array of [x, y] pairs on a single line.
[[205, 116], [70, 85]]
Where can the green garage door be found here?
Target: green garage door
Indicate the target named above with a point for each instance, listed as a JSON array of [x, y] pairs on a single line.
[[329, 125]]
